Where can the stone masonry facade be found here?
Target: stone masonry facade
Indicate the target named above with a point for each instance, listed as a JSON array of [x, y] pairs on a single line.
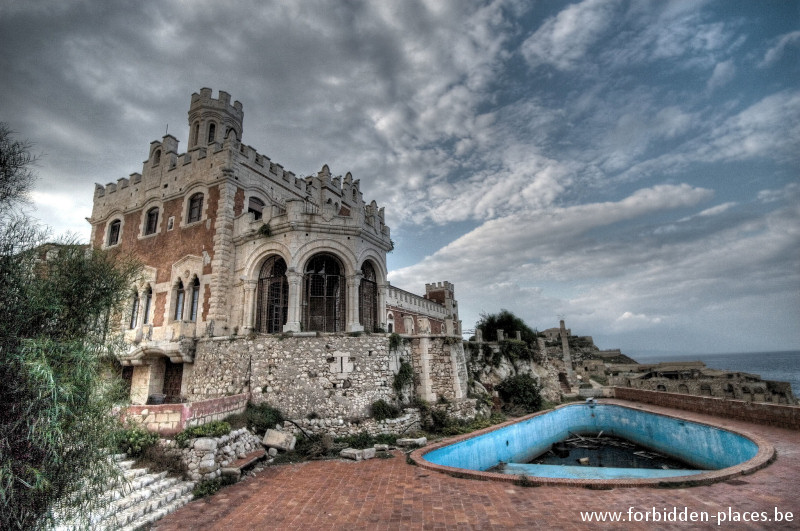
[[257, 281]]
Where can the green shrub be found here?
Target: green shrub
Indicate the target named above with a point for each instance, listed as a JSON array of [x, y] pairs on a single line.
[[207, 487], [394, 341], [515, 350], [403, 378], [262, 417], [134, 440], [520, 392], [381, 410], [217, 428], [365, 440]]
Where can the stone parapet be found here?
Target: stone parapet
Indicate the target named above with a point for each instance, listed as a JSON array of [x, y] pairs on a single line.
[[783, 416]]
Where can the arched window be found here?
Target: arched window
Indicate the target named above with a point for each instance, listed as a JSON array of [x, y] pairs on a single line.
[[255, 206], [196, 134], [180, 294], [134, 310], [152, 221], [368, 298], [324, 291], [113, 232], [148, 301], [195, 299], [195, 208], [212, 132], [157, 157], [273, 292], [390, 322]]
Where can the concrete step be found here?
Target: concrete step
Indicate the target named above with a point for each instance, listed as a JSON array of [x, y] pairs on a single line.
[[150, 505], [148, 519]]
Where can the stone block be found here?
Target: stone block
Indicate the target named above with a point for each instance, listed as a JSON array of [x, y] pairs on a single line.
[[422, 441], [369, 453], [205, 444], [352, 453], [381, 447], [279, 439]]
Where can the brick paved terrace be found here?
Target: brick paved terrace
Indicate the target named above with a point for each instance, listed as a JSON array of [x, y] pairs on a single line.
[[391, 494]]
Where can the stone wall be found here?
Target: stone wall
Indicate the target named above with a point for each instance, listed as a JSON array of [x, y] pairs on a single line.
[[205, 457], [782, 416], [440, 364], [331, 376], [407, 422], [729, 386]]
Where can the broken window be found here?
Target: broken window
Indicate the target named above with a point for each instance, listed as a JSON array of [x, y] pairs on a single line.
[[134, 310], [113, 232], [255, 206], [195, 299], [179, 297], [152, 221], [195, 208], [148, 301]]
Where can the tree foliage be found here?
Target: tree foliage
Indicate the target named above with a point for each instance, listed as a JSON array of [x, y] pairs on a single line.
[[520, 394], [57, 311], [509, 323]]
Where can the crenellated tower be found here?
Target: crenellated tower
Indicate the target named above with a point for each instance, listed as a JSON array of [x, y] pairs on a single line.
[[214, 120]]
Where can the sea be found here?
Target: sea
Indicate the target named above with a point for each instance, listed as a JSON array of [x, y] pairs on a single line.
[[782, 366]]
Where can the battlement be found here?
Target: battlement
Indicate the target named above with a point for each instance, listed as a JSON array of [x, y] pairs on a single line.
[[222, 103], [436, 286]]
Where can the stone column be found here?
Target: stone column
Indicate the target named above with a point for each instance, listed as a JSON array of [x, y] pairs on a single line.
[[566, 354], [382, 289], [248, 311], [293, 314], [425, 389], [223, 257], [353, 303]]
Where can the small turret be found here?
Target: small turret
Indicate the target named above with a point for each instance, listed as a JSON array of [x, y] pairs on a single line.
[[214, 120]]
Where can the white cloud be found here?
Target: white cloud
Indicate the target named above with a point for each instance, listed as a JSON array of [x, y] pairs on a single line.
[[777, 51], [563, 41], [723, 73]]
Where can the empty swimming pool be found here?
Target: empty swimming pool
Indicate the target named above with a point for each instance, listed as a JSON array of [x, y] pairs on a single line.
[[712, 452]]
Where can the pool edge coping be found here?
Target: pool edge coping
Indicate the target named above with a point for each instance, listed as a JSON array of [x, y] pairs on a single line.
[[766, 454]]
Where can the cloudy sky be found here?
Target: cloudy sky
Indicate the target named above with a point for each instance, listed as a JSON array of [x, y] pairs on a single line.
[[631, 166]]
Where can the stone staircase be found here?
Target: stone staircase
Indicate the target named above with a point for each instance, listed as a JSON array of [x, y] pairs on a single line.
[[141, 499]]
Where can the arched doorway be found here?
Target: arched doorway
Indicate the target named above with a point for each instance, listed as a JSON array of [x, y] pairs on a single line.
[[273, 291], [368, 298], [324, 291]]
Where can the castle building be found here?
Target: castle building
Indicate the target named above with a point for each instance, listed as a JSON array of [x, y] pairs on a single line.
[[234, 245]]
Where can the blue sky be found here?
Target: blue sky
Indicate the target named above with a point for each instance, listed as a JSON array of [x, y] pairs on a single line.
[[630, 166]]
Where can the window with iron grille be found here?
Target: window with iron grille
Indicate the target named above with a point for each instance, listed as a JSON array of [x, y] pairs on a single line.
[[324, 291], [152, 221], [368, 298], [273, 292]]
